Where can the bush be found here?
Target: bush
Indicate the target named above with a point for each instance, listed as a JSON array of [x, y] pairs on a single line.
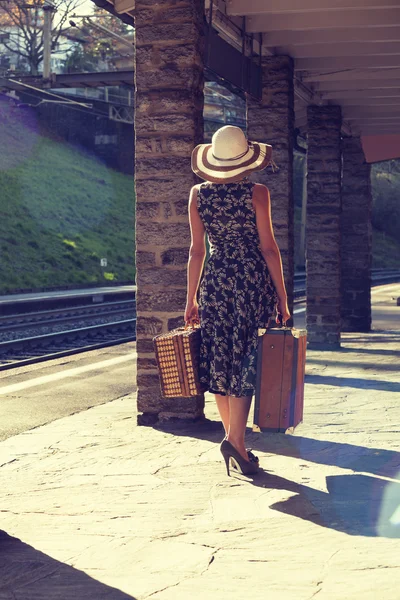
[[385, 179]]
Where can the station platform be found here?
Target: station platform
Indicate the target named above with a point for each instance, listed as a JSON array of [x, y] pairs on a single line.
[[95, 507]]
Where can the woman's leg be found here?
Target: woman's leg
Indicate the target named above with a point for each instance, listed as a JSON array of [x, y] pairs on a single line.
[[238, 414], [223, 408]]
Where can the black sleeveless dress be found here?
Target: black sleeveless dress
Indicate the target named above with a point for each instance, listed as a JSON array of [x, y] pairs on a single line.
[[237, 295]]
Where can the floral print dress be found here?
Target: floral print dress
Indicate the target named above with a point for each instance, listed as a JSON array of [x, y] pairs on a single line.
[[236, 295]]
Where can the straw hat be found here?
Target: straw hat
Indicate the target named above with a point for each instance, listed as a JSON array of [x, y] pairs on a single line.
[[230, 156]]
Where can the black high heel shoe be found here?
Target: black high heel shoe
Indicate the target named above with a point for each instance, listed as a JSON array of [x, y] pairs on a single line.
[[252, 457], [231, 455]]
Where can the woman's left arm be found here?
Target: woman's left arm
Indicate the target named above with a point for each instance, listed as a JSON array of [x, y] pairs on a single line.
[[197, 254]]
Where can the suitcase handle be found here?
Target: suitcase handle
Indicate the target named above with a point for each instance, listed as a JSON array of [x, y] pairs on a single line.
[[288, 323], [192, 323]]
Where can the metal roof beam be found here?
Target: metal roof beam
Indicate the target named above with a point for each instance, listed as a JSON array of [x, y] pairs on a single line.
[[368, 126], [350, 62], [370, 48], [124, 6], [360, 112], [251, 7], [366, 100], [324, 20], [109, 7], [332, 36], [355, 84], [375, 123], [374, 96], [359, 85], [348, 75], [364, 129], [380, 131], [378, 126]]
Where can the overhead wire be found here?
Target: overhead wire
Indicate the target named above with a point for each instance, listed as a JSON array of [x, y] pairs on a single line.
[[32, 87], [73, 105]]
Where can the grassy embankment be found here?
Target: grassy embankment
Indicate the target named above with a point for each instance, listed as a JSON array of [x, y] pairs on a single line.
[[385, 180], [61, 211]]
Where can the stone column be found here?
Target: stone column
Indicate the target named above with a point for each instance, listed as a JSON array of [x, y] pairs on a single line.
[[356, 238], [272, 121], [168, 124], [324, 169]]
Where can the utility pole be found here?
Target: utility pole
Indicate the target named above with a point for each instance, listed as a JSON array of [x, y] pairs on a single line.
[[48, 10]]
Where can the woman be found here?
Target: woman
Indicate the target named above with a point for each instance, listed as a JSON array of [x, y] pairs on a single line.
[[243, 279]]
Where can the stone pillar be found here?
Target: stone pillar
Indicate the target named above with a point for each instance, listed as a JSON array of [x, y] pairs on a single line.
[[272, 121], [356, 238], [324, 170], [168, 124]]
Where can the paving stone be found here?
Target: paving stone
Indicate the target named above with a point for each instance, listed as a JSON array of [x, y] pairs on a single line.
[[95, 507]]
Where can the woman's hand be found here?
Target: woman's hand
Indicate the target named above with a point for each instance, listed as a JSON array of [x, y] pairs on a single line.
[[283, 309], [191, 311]]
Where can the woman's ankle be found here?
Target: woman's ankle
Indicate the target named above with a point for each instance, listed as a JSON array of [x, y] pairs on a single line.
[[237, 443]]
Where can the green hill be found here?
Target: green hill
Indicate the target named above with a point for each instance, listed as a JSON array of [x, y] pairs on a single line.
[[61, 211], [385, 181]]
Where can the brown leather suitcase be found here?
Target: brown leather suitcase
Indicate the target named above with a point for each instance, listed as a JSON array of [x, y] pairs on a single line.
[[279, 393]]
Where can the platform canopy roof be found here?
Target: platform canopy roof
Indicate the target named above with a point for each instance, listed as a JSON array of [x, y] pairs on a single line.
[[345, 52]]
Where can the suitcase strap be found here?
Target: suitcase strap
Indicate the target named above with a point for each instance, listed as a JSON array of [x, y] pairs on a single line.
[[180, 355]]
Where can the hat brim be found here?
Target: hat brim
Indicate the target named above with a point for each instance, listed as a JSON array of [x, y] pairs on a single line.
[[206, 166]]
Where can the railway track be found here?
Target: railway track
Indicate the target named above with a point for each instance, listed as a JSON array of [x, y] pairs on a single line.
[[29, 350], [35, 331], [378, 277], [40, 335], [63, 315]]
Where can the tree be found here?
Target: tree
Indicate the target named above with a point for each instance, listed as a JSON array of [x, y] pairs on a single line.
[[103, 46], [21, 27], [385, 179], [80, 60]]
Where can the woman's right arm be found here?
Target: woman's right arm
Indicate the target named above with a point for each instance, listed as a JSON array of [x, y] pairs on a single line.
[[269, 247]]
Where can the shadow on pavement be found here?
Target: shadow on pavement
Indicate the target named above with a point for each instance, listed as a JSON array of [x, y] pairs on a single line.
[[354, 504], [28, 574], [376, 461], [356, 382], [358, 350], [375, 336], [385, 463], [355, 364]]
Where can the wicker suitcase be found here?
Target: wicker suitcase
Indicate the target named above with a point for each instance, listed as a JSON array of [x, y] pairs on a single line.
[[279, 393], [177, 355]]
